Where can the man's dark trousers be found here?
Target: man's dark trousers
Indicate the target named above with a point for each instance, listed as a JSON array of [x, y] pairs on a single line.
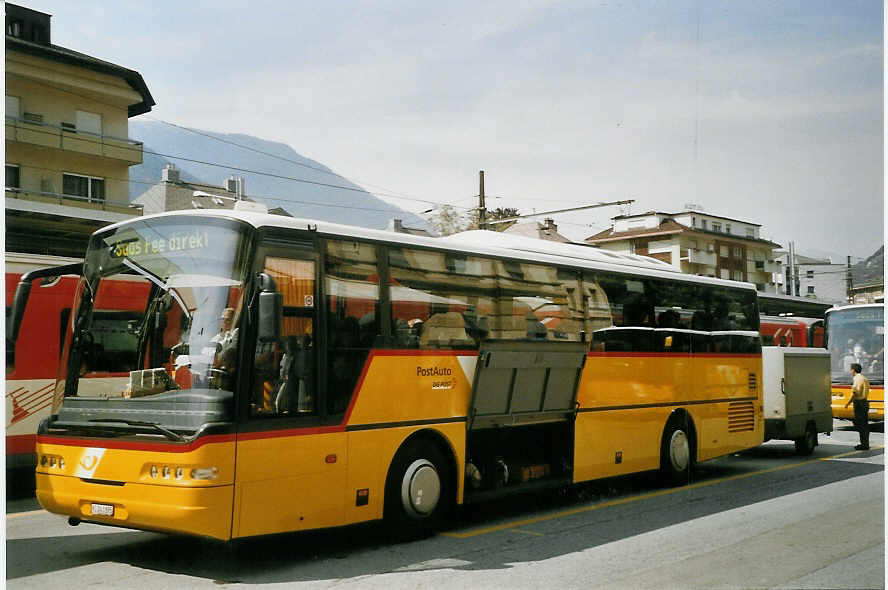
[[861, 420]]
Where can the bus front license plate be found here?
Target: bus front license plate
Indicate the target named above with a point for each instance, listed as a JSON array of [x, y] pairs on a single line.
[[102, 509]]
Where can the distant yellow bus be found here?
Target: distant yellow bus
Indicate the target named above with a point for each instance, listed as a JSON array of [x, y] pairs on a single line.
[[292, 374], [856, 334]]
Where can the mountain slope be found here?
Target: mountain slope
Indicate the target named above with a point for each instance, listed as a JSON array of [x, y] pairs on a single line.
[[300, 185]]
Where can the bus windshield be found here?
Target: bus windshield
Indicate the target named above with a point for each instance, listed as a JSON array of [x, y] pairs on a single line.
[[173, 364], [856, 335]]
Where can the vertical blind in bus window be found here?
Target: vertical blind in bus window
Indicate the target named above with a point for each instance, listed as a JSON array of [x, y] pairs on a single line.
[[295, 281], [352, 284]]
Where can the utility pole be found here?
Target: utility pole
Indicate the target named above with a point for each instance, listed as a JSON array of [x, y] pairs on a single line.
[[848, 280], [482, 207]]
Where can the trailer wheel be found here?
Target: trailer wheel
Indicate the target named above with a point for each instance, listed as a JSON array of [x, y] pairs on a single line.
[[677, 451], [805, 445], [418, 491]]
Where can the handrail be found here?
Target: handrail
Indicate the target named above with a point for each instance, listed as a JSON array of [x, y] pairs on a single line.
[[12, 192], [101, 136]]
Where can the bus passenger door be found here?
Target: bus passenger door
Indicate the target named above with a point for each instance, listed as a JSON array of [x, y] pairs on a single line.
[[290, 472]]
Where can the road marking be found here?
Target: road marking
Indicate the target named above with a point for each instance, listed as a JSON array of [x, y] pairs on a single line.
[[524, 532], [30, 513], [582, 509]]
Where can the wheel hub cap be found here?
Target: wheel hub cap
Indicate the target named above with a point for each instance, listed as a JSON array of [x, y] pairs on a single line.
[[679, 450], [420, 489]]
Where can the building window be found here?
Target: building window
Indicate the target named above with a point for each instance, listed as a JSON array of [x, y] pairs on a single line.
[[737, 275], [723, 251], [750, 232], [88, 187], [693, 222], [727, 228], [14, 28], [87, 122], [810, 289], [738, 252], [13, 179], [716, 226], [809, 274], [703, 224], [13, 107]]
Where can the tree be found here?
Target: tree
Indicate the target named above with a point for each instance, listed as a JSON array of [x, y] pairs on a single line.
[[446, 220], [496, 215]]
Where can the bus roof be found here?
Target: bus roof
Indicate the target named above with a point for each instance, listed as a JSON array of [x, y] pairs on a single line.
[[472, 242], [854, 306]]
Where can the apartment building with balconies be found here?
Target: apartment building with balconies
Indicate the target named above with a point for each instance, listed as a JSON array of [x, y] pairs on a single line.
[[696, 243], [67, 148]]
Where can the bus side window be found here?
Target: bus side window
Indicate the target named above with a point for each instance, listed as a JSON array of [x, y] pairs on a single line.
[[284, 383], [352, 285], [440, 301]]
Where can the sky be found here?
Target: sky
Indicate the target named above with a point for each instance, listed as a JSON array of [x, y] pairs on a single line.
[[763, 111]]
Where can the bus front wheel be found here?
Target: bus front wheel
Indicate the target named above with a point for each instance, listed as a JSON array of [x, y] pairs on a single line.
[[677, 451], [418, 491]]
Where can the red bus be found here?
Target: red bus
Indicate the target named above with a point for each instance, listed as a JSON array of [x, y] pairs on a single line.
[[32, 357], [791, 331]]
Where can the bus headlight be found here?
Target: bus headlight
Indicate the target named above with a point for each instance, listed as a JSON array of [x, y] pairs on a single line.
[[52, 461], [205, 473]]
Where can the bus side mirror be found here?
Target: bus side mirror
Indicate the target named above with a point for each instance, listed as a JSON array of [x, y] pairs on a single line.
[[19, 302], [271, 307]]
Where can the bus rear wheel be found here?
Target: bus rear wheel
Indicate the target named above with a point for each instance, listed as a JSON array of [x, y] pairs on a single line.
[[418, 491], [676, 451]]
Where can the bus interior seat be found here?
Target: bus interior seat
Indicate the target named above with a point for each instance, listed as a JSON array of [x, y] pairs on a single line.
[[445, 330]]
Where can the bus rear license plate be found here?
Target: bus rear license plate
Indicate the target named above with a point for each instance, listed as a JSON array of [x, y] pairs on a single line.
[[102, 509]]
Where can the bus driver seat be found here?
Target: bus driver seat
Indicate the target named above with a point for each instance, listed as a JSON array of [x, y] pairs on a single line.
[[295, 377]]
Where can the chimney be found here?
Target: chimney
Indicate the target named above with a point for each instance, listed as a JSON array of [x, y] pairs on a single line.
[[550, 225], [235, 184], [25, 23], [170, 173], [396, 225]]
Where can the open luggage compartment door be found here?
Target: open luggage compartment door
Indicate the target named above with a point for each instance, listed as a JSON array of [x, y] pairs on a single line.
[[525, 382]]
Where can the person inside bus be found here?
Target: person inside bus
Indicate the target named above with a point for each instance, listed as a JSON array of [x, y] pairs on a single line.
[[722, 319], [860, 397], [225, 342]]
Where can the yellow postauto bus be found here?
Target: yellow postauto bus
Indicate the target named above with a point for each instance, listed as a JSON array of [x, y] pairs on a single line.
[[292, 374], [856, 334]]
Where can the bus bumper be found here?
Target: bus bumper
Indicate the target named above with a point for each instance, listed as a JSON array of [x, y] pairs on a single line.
[[202, 511], [876, 411]]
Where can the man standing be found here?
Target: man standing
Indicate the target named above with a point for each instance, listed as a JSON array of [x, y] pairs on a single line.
[[860, 396]]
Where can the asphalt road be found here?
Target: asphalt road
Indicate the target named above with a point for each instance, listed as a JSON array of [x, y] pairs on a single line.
[[765, 518]]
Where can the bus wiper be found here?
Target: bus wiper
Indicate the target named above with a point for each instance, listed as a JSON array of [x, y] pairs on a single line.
[[167, 433]]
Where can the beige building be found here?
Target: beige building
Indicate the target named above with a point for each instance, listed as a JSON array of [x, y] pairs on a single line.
[[547, 230], [174, 194], [696, 243], [67, 150]]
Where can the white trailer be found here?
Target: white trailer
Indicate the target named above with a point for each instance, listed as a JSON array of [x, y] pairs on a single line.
[[797, 395]]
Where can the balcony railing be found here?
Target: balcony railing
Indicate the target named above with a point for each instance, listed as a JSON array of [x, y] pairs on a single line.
[[82, 142], [696, 256], [112, 206]]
